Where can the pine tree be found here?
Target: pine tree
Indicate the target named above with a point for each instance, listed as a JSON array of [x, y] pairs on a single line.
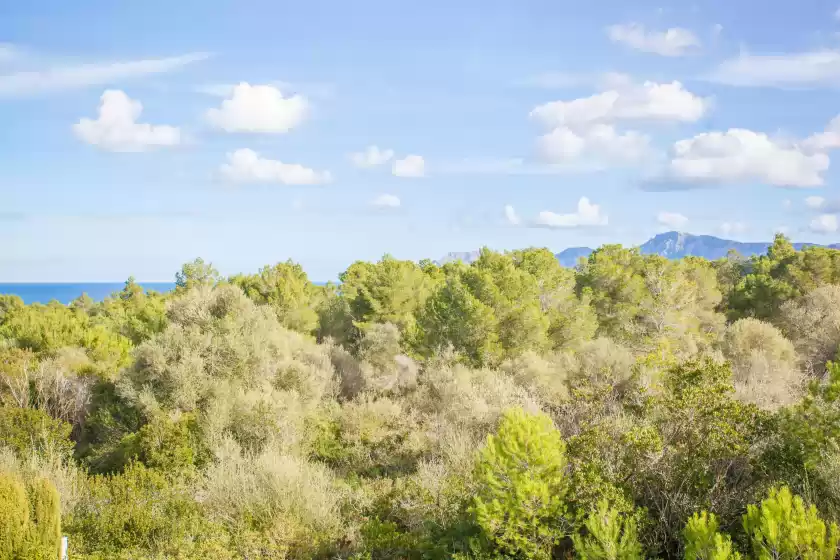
[[609, 537], [521, 502], [783, 528], [702, 541]]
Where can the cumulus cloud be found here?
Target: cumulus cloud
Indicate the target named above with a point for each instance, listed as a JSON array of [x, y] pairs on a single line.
[[587, 214], [673, 220], [386, 201], [410, 166], [675, 41], [828, 139], [824, 223], [740, 156], [84, 75], [601, 141], [371, 157], [732, 228], [805, 69], [649, 101], [814, 202], [247, 166], [511, 216], [116, 128], [260, 109]]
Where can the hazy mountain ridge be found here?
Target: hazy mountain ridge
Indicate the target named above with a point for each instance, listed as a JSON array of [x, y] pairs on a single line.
[[672, 244]]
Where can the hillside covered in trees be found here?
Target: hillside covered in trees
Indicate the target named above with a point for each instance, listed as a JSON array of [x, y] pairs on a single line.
[[632, 407]]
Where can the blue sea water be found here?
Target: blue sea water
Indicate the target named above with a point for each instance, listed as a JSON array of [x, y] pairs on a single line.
[[65, 293]]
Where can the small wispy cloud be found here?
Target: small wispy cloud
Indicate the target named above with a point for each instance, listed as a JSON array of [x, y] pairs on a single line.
[[675, 41], [511, 216], [809, 69], [86, 75], [386, 201]]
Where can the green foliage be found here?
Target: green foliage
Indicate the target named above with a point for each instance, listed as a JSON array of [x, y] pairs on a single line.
[[135, 314], [520, 503], [25, 430], [46, 329], [196, 273], [46, 516], [206, 427], [783, 528], [30, 519], [454, 317], [702, 541], [781, 275], [142, 514], [171, 446], [608, 536], [14, 517], [287, 289], [389, 291]]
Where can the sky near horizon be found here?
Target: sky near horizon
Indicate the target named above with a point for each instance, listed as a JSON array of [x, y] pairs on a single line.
[[140, 135]]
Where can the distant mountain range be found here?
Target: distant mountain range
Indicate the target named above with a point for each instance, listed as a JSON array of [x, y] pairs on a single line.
[[673, 245]]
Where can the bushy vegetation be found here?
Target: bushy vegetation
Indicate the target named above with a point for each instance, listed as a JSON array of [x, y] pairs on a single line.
[[632, 407]]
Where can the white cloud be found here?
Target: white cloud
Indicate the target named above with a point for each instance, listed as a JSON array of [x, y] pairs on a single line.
[[649, 101], [837, 14], [587, 214], [672, 220], [739, 155], [730, 228], [247, 166], [804, 69], [814, 202], [116, 128], [511, 216], [787, 203], [259, 108], [675, 41], [386, 201], [599, 141], [84, 75], [824, 223], [828, 139], [410, 166], [371, 157]]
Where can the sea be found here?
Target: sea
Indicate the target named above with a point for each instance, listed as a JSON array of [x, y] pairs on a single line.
[[65, 293]]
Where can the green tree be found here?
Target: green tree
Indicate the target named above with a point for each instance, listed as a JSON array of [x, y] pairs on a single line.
[[14, 517], [608, 536], [454, 317], [196, 273], [520, 503], [783, 528], [287, 289], [702, 541]]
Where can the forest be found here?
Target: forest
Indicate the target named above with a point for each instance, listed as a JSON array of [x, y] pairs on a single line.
[[630, 407]]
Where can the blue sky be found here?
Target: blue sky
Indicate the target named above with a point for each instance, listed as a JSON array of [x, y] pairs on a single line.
[[138, 136]]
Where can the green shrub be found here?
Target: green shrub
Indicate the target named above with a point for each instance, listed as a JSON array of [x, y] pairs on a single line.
[[27, 429], [783, 528], [608, 536], [142, 514], [45, 505], [14, 517], [521, 500], [702, 541]]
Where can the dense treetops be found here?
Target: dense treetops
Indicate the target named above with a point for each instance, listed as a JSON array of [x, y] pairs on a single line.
[[632, 407]]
